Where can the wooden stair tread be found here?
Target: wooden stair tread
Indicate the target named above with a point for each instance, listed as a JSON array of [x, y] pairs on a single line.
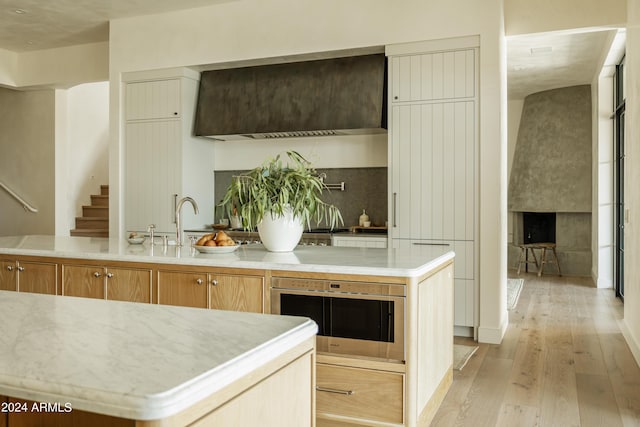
[[90, 232], [94, 221]]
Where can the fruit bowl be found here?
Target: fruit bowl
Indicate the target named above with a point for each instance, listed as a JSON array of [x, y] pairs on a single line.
[[216, 249]]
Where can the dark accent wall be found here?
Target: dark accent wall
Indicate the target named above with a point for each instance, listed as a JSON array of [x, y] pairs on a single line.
[[551, 169], [365, 188]]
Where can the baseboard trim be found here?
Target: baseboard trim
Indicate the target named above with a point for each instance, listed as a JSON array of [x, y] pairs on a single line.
[[634, 345], [493, 335]]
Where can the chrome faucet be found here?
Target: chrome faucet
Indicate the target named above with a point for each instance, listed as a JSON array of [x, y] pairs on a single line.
[[178, 219]]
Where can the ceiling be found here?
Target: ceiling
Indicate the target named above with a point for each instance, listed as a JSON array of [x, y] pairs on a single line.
[[538, 62], [534, 62], [27, 25]]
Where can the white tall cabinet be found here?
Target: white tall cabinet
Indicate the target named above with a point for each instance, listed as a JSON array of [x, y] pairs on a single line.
[[433, 138], [163, 160]]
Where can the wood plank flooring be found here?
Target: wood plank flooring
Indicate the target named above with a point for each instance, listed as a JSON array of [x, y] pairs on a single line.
[[563, 362]]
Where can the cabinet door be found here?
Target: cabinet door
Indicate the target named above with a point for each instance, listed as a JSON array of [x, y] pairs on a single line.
[[36, 277], [184, 289], [158, 99], [463, 302], [152, 174], [433, 76], [83, 281], [126, 284], [433, 171], [237, 293], [8, 281]]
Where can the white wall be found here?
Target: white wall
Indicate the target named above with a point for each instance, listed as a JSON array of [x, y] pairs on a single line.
[[8, 67], [327, 152], [83, 150], [631, 322], [27, 160], [55, 68], [526, 16], [236, 31]]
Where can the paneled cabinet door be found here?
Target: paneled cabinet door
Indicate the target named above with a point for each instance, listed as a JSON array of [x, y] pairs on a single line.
[[152, 171], [26, 276], [433, 173], [149, 100], [83, 281], [433, 76], [237, 293], [182, 288], [37, 277], [8, 280], [126, 284]]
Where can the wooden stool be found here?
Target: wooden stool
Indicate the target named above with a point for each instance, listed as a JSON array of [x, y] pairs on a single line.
[[524, 256], [543, 257]]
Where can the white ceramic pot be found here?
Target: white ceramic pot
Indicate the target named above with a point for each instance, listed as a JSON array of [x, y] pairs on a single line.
[[280, 233]]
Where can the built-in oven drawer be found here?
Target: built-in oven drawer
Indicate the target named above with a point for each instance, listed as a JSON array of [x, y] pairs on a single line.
[[350, 320], [359, 393]]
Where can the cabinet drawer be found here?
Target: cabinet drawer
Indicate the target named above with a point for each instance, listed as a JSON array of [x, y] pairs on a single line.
[[375, 395]]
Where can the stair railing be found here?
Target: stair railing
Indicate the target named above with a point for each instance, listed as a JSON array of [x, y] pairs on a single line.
[[25, 205]]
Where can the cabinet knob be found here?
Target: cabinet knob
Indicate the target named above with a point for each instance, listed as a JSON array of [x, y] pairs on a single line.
[[175, 113], [199, 281], [10, 267], [20, 268], [109, 275], [97, 274], [214, 282]]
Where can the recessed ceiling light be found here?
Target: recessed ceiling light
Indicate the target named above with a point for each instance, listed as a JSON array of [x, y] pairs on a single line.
[[20, 11]]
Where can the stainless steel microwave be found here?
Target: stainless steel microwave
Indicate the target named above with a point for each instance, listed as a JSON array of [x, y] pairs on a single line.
[[354, 318]]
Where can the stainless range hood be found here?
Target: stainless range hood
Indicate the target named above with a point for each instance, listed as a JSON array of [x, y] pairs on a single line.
[[312, 98]]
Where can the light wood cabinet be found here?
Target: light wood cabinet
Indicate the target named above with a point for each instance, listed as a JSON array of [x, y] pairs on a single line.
[[8, 276], [163, 162], [211, 290], [183, 289], [360, 394], [29, 276], [237, 293], [93, 281]]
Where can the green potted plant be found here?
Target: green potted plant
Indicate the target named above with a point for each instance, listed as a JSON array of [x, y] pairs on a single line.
[[280, 199]]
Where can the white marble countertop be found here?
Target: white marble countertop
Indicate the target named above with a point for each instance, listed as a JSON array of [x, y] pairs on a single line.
[[404, 262], [137, 361]]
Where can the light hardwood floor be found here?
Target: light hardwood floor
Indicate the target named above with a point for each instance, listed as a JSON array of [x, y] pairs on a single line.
[[563, 362]]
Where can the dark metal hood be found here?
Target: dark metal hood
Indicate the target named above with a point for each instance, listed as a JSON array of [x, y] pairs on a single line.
[[310, 98]]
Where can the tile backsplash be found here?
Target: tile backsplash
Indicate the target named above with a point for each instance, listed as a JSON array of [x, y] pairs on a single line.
[[365, 188]]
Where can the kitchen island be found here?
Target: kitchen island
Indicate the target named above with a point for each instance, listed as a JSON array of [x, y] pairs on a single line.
[[95, 362], [397, 390]]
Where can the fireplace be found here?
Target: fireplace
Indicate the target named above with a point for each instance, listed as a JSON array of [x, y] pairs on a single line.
[[570, 231], [539, 227]]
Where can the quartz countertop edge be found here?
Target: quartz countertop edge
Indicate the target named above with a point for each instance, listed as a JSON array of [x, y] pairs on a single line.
[[404, 262], [55, 378]]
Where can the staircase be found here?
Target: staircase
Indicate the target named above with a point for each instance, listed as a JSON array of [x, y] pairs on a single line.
[[94, 221]]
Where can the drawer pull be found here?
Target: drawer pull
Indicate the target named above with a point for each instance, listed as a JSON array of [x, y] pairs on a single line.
[[335, 390], [430, 244]]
